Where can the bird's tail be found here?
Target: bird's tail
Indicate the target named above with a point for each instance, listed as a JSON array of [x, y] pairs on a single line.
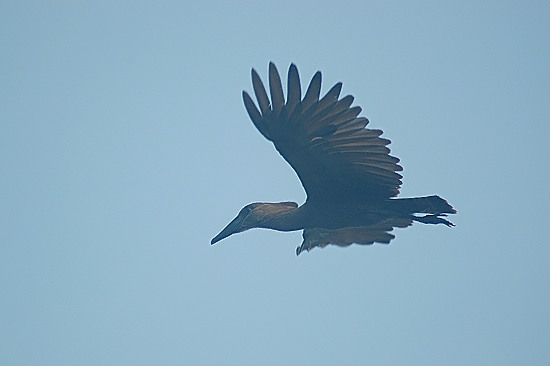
[[434, 205]]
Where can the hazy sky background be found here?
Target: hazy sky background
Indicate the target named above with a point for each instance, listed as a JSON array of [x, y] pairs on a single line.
[[125, 147]]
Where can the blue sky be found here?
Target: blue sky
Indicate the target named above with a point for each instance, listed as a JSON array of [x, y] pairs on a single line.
[[125, 147]]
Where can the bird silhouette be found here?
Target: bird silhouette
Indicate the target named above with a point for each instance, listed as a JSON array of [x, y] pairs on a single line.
[[350, 178]]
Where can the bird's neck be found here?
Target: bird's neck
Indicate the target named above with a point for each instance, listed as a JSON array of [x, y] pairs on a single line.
[[284, 220]]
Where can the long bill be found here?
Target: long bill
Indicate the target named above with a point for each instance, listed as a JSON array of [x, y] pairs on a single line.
[[230, 229]]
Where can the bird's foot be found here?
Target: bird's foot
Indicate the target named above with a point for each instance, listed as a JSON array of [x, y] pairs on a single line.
[[433, 219]]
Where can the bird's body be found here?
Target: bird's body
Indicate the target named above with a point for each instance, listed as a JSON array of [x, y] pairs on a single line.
[[347, 172]]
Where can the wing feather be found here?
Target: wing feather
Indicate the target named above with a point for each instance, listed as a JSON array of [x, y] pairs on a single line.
[[294, 87], [365, 235], [324, 140], [255, 115], [261, 94], [313, 91], [276, 88]]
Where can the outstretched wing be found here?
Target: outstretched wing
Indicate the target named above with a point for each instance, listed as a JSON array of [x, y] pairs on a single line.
[[365, 235], [323, 140]]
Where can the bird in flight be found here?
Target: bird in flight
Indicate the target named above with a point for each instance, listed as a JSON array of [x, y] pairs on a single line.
[[350, 178]]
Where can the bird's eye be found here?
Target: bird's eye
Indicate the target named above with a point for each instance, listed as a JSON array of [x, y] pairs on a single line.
[[246, 210]]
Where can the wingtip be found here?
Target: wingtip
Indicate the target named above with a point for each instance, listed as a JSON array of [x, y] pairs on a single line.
[[254, 73], [317, 77], [275, 88]]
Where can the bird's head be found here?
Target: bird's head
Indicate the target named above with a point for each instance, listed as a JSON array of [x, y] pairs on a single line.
[[258, 214]]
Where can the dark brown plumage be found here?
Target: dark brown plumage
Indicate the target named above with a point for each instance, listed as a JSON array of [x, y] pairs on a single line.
[[346, 170]]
